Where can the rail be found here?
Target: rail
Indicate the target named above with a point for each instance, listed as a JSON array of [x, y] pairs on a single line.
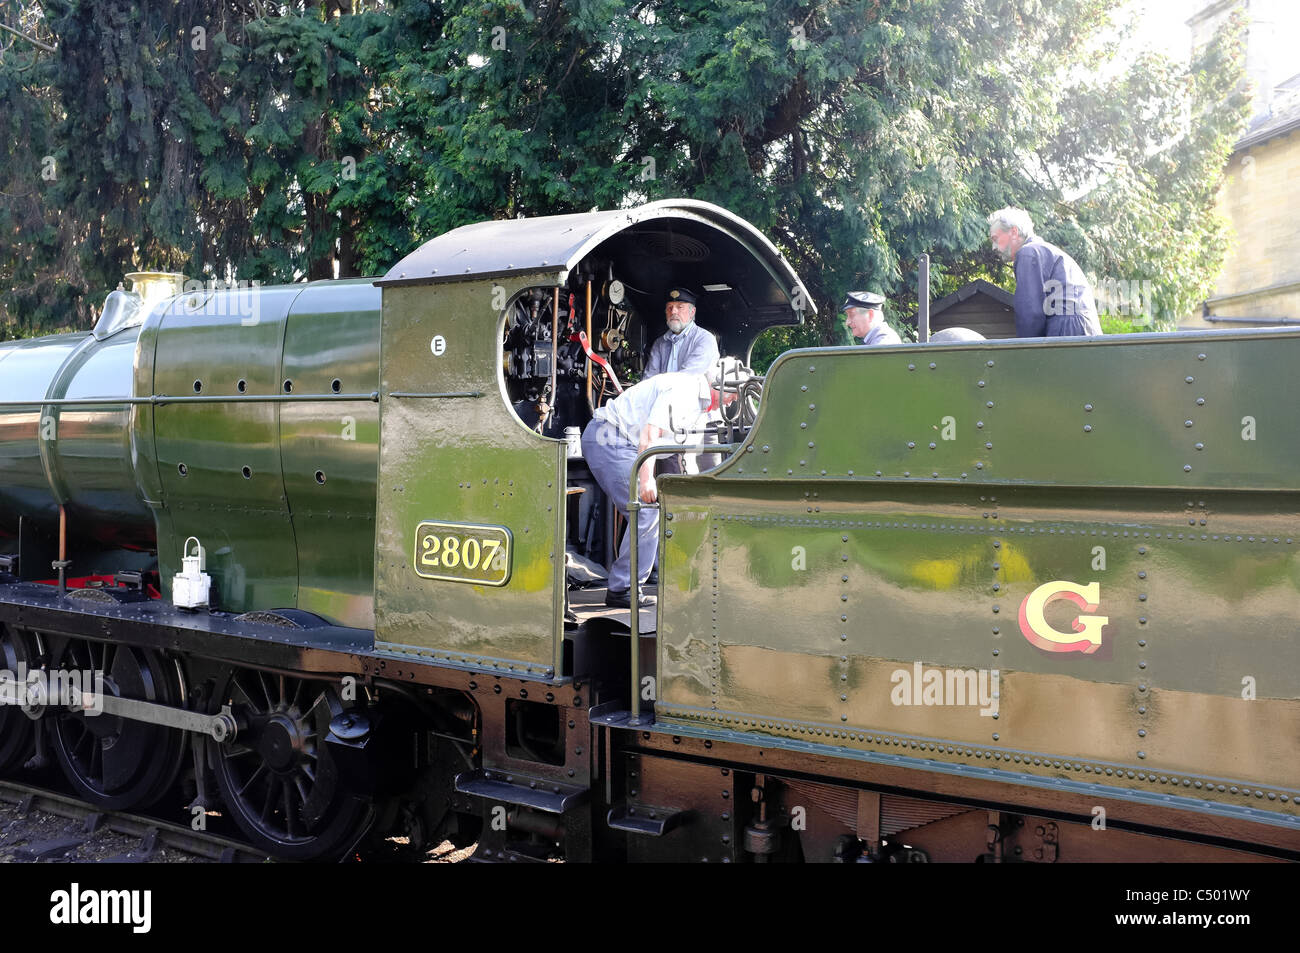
[[156, 399], [151, 830]]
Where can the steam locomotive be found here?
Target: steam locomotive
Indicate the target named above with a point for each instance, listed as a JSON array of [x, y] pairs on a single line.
[[298, 555]]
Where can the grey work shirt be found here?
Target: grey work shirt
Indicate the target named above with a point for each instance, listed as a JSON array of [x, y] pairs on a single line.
[[881, 333], [696, 348], [1053, 298]]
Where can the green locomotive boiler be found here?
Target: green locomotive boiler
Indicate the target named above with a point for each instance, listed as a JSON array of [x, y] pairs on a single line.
[[988, 601]]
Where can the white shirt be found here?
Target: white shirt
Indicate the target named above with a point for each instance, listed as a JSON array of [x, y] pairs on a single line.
[[676, 401]]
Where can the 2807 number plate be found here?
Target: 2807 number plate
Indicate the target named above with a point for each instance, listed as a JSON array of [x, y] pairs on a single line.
[[463, 552]]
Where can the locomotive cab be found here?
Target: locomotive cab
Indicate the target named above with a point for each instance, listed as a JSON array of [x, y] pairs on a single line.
[[575, 301]]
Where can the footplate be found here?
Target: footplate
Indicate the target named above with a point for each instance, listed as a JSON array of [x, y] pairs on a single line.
[[510, 788]]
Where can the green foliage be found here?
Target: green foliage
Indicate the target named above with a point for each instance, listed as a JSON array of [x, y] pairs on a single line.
[[775, 341], [1121, 324], [278, 142]]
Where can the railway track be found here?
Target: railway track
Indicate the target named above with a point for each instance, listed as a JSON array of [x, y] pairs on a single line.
[[40, 825]]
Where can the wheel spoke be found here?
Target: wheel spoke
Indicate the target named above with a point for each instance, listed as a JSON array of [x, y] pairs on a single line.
[[314, 705], [252, 777], [84, 736], [289, 818], [248, 699], [269, 802], [266, 692]]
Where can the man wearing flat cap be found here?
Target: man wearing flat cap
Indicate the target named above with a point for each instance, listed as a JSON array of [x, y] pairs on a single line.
[[687, 348], [865, 316]]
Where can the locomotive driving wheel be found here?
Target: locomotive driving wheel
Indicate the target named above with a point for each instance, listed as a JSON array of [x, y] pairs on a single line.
[[113, 762], [17, 657], [277, 778]]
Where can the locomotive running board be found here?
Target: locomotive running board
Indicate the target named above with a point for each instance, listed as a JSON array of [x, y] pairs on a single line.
[[510, 788], [648, 823]]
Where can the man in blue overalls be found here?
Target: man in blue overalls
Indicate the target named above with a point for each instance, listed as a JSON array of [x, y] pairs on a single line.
[[644, 415], [1053, 296]]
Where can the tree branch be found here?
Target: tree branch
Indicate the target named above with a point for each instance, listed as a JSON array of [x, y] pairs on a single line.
[[30, 39]]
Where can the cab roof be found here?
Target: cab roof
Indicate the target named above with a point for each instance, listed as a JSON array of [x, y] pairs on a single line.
[[698, 240]]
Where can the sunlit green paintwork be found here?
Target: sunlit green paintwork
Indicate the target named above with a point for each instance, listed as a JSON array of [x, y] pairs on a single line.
[[468, 460], [917, 548], [75, 456], [244, 418], [275, 535], [332, 346], [243, 523]]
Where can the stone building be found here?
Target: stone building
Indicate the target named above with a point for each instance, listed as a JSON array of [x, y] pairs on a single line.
[[1260, 281]]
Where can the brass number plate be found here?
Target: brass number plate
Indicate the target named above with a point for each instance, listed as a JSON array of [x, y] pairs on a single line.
[[463, 552]]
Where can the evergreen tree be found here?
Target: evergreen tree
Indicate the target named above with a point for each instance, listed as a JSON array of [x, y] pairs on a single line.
[[34, 240], [278, 142]]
